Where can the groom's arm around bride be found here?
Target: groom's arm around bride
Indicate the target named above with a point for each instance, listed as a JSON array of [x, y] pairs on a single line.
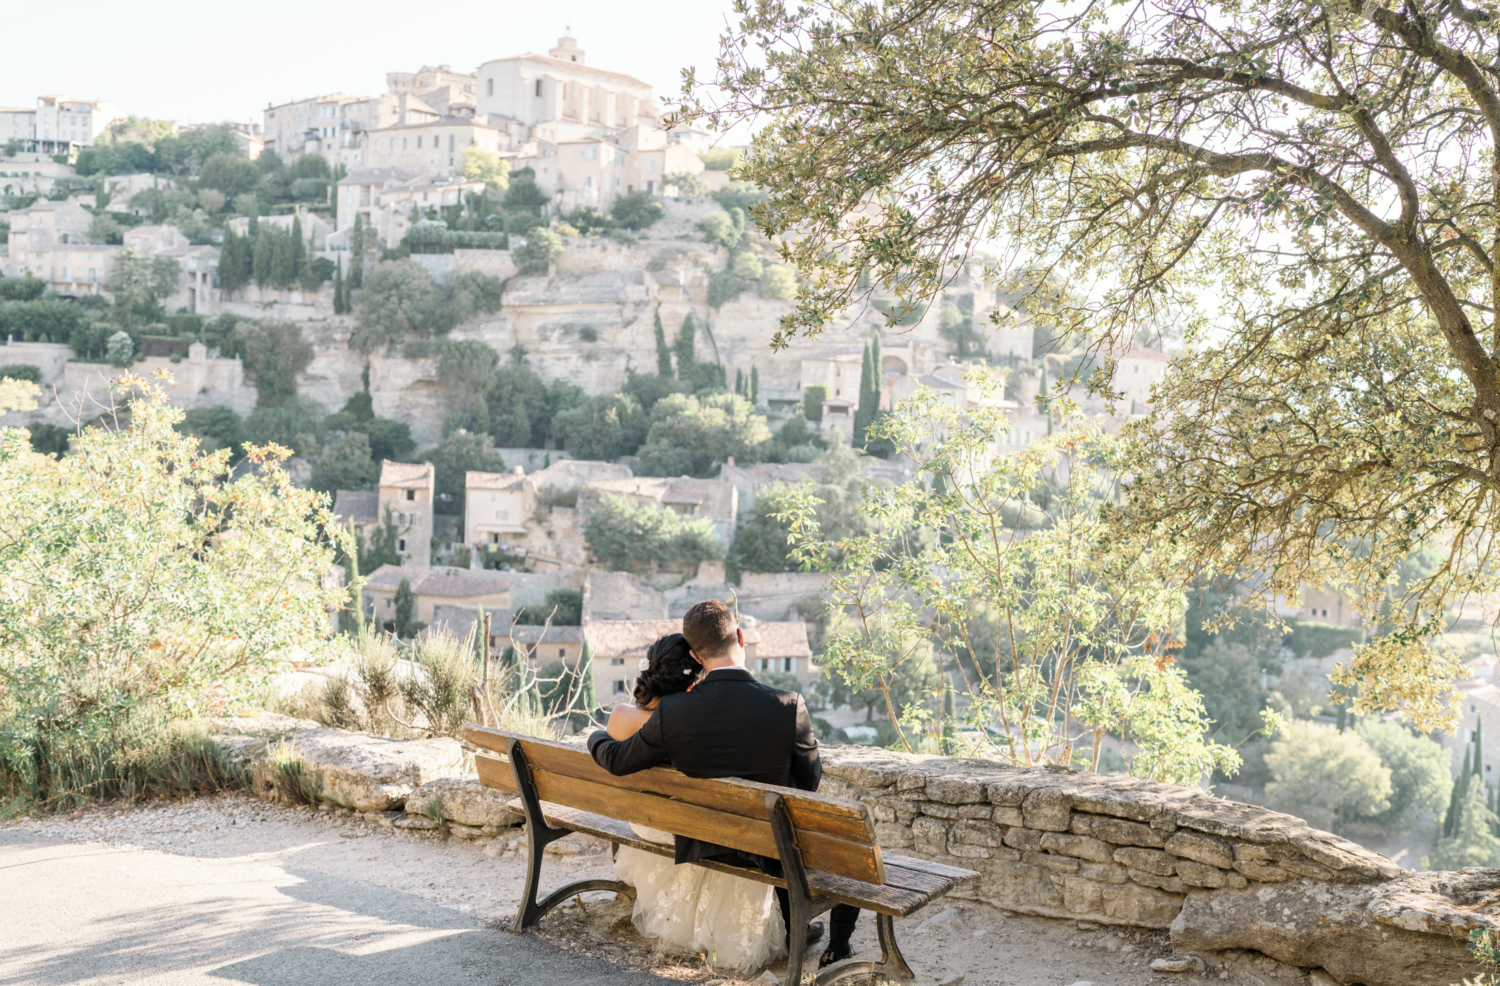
[[727, 725]]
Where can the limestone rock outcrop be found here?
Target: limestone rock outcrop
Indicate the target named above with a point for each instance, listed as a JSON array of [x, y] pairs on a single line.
[[367, 773], [1410, 930]]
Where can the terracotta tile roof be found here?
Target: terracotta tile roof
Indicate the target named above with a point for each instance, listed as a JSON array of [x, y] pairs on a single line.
[[493, 480], [407, 475], [525, 633], [425, 582], [360, 506], [622, 638], [787, 638]]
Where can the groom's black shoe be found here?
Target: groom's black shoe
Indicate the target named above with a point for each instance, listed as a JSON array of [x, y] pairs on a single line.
[[835, 954], [814, 933]]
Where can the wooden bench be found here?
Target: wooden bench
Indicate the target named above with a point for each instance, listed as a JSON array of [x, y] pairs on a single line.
[[827, 847]]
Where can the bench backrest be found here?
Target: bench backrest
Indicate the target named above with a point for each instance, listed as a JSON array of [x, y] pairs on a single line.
[[835, 835]]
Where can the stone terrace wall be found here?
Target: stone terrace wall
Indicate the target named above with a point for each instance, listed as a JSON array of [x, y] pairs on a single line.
[[1225, 877], [1222, 875]]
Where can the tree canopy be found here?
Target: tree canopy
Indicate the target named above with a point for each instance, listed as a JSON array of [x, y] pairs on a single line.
[[1323, 179]]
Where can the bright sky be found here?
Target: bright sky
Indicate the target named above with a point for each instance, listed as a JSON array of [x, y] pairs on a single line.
[[197, 63]]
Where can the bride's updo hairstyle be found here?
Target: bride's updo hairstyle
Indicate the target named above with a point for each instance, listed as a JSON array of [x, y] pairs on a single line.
[[668, 668]]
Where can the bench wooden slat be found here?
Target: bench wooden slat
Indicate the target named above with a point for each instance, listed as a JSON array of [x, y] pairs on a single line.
[[844, 818], [892, 900], [846, 858]]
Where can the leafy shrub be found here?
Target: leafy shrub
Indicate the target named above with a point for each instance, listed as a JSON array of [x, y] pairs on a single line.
[[636, 210], [695, 435], [626, 536], [31, 321], [738, 195], [27, 287], [563, 606], [686, 183], [215, 428], [22, 371], [542, 246], [590, 221], [164, 596]]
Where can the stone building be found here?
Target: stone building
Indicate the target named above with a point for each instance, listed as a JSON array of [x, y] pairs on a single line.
[[497, 508], [406, 491]]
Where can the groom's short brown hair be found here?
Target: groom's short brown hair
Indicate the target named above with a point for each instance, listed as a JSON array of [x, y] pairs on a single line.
[[709, 628]]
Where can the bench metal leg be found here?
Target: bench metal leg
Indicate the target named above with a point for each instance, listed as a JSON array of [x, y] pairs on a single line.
[[892, 964], [539, 835], [803, 907]]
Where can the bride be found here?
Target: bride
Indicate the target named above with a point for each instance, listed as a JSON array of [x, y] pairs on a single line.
[[735, 922]]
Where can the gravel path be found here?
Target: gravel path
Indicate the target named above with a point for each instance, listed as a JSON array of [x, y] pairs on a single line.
[[232, 888]]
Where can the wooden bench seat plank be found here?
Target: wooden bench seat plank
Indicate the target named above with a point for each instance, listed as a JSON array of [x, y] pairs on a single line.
[[937, 869], [845, 818], [847, 858], [895, 901]]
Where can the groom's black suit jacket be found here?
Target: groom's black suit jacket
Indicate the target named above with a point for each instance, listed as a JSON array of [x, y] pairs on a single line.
[[729, 725]]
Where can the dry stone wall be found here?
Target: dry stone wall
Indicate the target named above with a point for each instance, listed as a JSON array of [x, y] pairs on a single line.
[[1219, 874], [1226, 878]]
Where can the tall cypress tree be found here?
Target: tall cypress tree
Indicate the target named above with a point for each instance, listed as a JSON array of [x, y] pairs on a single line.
[[357, 251], [588, 699], [283, 261], [252, 230], [877, 377], [739, 381], [299, 248], [687, 361], [260, 259], [864, 413], [1045, 406], [1455, 798], [754, 384], [663, 354], [338, 288], [1479, 749]]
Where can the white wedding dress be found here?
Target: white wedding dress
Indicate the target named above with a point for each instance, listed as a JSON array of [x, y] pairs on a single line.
[[735, 922]]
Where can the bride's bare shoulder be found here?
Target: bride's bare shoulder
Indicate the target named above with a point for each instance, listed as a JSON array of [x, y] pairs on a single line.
[[625, 720]]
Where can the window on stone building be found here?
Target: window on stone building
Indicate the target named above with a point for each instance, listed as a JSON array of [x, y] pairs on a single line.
[[489, 87], [617, 662], [401, 544], [538, 87], [411, 494], [562, 652], [619, 688]]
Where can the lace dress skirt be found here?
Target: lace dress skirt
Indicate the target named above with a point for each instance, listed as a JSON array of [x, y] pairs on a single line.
[[735, 922]]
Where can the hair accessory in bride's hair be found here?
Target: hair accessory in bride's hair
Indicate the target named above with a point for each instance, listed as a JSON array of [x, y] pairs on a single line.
[[645, 663], [687, 670]]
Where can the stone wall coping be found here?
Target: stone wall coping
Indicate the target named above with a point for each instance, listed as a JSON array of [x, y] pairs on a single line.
[[919, 778]]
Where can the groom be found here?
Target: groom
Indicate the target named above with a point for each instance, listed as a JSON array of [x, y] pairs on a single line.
[[730, 725]]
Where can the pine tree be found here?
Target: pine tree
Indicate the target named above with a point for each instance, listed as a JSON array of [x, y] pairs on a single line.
[[754, 384], [299, 248], [338, 288], [663, 354], [687, 362]]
